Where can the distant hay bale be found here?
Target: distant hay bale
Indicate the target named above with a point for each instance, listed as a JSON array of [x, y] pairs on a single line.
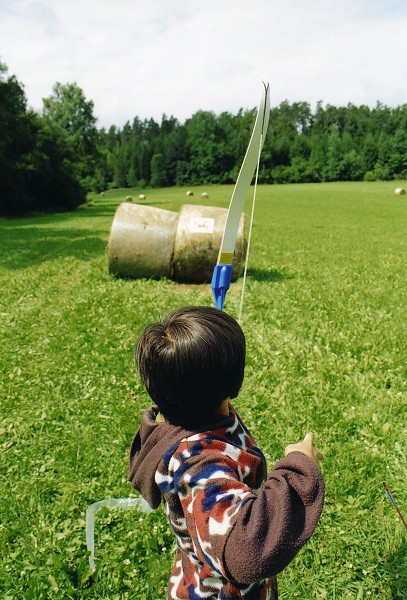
[[141, 196], [189, 193], [399, 191], [129, 199], [204, 195], [102, 193]]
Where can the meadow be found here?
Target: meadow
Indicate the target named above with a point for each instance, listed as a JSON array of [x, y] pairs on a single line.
[[325, 317]]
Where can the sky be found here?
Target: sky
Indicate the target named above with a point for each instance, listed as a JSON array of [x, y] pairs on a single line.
[[147, 58]]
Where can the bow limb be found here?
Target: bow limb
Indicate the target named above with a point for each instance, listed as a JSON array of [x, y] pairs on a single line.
[[222, 273]]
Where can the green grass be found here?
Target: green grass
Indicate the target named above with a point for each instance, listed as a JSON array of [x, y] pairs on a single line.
[[325, 316]]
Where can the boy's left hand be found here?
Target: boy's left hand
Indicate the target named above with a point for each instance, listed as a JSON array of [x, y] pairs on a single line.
[[306, 447]]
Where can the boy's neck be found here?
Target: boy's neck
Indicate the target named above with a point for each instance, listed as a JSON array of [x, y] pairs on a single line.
[[224, 409]]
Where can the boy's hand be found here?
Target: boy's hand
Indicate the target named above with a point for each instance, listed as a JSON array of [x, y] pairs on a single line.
[[306, 447]]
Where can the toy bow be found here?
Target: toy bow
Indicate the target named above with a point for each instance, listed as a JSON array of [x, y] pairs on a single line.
[[222, 273]]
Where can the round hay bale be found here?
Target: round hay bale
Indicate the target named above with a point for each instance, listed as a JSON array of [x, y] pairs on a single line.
[[399, 191], [204, 195], [102, 193], [189, 193], [129, 199], [141, 241], [141, 196], [197, 242]]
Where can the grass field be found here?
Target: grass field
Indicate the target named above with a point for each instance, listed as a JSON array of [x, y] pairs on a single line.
[[325, 317]]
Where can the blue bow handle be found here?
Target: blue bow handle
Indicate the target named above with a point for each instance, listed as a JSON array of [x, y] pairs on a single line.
[[221, 278]]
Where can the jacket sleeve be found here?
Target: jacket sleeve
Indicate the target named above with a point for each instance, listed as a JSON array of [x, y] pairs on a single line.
[[242, 536]]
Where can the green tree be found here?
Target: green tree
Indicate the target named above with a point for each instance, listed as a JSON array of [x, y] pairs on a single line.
[[369, 151], [120, 166], [204, 137], [36, 173], [173, 146], [398, 154], [68, 109], [50, 179], [15, 141], [157, 171]]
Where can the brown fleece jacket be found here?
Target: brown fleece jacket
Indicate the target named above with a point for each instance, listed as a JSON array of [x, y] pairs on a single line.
[[235, 527]]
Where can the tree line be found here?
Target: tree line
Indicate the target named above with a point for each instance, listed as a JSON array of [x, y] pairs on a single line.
[[349, 143], [50, 160]]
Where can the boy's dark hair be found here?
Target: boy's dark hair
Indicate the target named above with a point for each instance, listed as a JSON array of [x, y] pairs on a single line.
[[191, 362]]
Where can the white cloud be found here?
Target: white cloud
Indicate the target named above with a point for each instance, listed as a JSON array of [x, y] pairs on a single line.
[[143, 58]]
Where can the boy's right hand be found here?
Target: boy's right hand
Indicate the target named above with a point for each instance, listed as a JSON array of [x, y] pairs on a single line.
[[306, 447]]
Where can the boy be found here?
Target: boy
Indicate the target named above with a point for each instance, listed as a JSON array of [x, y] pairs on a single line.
[[235, 527]]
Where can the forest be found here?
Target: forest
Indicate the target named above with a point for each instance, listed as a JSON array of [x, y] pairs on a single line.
[[52, 159]]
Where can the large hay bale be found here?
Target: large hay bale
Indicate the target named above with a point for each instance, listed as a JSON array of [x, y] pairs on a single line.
[[399, 191], [197, 242], [141, 241]]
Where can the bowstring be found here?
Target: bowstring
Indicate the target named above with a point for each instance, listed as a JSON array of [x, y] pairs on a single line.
[[250, 230]]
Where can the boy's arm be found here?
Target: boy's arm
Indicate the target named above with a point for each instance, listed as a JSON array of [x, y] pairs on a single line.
[[274, 526], [243, 536]]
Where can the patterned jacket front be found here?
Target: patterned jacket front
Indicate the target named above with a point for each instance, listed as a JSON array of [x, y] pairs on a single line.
[[235, 528]]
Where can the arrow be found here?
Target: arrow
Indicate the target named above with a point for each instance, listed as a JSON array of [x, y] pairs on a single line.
[[390, 497]]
